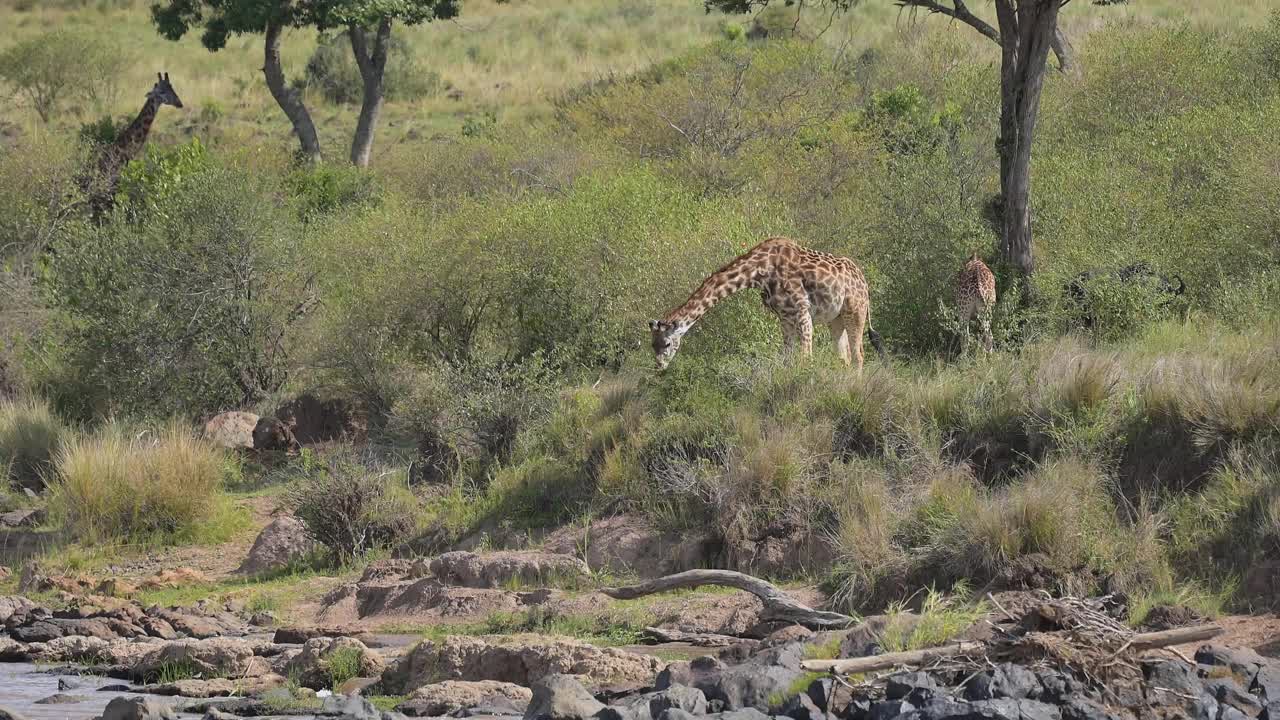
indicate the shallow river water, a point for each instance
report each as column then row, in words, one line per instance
column 22, row 684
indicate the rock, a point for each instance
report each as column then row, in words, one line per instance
column 561, row 697
column 1006, row 709
column 231, row 430
column 520, row 660
column 350, row 707
column 1168, row 617
column 899, row 686
column 674, row 714
column 1080, row 708
column 742, row 714
column 1168, row 680
column 1271, row 711
column 629, row 544
column 43, row 631
column 770, row 674
column 1057, row 687
column 447, row 697
column 312, row 420
column 865, row 639
column 280, row 544
column 1266, row 684
column 692, row 673
column 299, row 635
column 217, row 687
column 61, row 699
column 22, row 518
column 1005, row 680
column 502, row 569
column 7, row 714
column 65, row 684
column 272, row 435
column 1228, row 693
column 138, row 708
column 1243, row 662
column 177, row 577
column 11, row 605
column 211, row 658
column 310, row 667
column 680, row 697
column 890, row 709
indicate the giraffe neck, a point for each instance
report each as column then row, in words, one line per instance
column 133, row 137
column 733, row 277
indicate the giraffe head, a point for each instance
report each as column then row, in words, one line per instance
column 163, row 91
column 666, row 340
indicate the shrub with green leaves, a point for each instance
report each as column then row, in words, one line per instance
column 187, row 307
column 350, row 506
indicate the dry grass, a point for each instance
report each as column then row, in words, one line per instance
column 143, row 487
column 30, row 434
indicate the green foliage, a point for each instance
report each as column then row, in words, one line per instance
column 187, row 307
column 149, row 184
column 350, row 507
column 65, row 65
column 332, row 71
column 30, row 437
column 343, row 665
column 326, row 189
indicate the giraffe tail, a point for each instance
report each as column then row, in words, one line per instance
column 876, row 342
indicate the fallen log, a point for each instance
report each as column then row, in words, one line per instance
column 777, row 604
column 1136, row 643
column 850, row 666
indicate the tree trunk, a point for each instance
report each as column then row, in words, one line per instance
column 1066, row 54
column 372, row 64
column 289, row 100
column 1027, row 30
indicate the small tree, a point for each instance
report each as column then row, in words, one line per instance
column 368, row 23
column 1026, row 31
column 64, row 64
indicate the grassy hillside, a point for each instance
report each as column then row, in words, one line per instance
column 483, row 292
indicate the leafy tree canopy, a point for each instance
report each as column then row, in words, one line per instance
column 221, row 19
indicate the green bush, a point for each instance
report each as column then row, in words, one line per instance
column 349, row 506
column 326, row 189
column 117, row 485
column 332, row 71
column 187, row 307
column 30, row 436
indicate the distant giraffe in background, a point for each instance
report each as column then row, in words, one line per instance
column 127, row 146
column 976, row 297
column 799, row 285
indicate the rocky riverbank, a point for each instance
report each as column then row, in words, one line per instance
column 221, row 661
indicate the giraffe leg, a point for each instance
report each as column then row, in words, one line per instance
column 985, row 321
column 840, row 334
column 806, row 333
column 854, row 319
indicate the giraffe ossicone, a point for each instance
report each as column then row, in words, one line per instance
column 798, row 285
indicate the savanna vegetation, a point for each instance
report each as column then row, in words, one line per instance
column 548, row 177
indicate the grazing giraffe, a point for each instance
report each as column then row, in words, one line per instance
column 127, row 145
column 976, row 296
column 799, row 285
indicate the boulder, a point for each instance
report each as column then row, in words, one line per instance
column 1243, row 662
column 271, row 434
column 504, row 569
column 680, row 697
column 7, row 714
column 174, row 578
column 865, row 638
column 280, row 544
column 1228, row 693
column 450, row 696
column 61, row 699
column 312, row 420
column 211, row 658
column 311, row 667
column 520, row 660
column 22, row 518
column 561, row 697
column 231, row 430
column 349, row 707
column 138, row 708
column 629, row 544
column 217, row 687
column 1005, row 680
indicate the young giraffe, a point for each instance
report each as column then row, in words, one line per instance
column 128, row 144
column 976, row 296
column 799, row 285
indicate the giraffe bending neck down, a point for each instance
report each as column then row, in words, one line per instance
column 129, row 143
column 799, row 285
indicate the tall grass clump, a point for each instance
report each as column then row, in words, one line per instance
column 30, row 434
column 165, row 486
